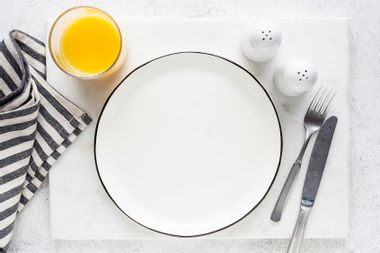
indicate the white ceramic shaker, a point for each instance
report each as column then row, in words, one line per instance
column 295, row 77
column 261, row 42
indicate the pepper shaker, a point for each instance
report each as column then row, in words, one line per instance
column 295, row 77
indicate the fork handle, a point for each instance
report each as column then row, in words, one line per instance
column 279, row 207
column 281, row 201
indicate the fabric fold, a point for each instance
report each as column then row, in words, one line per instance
column 37, row 124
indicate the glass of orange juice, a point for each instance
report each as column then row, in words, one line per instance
column 85, row 42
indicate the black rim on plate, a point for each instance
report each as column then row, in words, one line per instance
column 168, row 55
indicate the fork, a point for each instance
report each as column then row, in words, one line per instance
column 314, row 117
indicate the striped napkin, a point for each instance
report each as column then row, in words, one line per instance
column 37, row 124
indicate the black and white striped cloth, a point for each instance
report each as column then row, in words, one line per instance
column 37, row 124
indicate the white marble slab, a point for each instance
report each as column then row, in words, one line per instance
column 80, row 209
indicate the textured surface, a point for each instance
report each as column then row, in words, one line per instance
column 32, row 232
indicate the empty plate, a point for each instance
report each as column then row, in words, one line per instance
column 188, row 144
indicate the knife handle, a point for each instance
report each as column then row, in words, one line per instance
column 299, row 230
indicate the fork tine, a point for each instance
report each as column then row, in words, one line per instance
column 315, row 99
column 324, row 100
column 321, row 99
column 326, row 106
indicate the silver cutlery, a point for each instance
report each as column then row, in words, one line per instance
column 314, row 117
column 312, row 181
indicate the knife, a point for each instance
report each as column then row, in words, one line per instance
column 313, row 179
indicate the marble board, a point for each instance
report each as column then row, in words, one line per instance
column 80, row 208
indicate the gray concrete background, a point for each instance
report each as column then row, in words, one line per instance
column 32, row 231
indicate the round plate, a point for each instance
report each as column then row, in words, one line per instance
column 188, row 144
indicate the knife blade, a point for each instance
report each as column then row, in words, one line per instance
column 313, row 179
column 318, row 161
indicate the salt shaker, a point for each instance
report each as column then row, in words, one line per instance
column 261, row 42
column 295, row 77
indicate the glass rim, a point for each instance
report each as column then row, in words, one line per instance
column 90, row 76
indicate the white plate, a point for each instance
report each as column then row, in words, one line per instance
column 188, row 144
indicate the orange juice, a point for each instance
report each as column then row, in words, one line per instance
column 91, row 44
